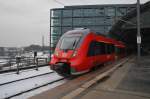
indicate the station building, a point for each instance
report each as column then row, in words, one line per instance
column 114, row 20
column 99, row 18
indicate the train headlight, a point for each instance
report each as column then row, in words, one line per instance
column 52, row 55
column 74, row 54
column 56, row 53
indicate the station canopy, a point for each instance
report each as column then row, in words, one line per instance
column 125, row 29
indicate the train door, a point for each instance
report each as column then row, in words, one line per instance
column 110, row 51
column 91, row 54
column 99, row 53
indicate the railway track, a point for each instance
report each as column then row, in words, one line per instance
column 18, row 87
column 24, row 78
column 17, row 94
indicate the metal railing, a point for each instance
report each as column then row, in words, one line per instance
column 21, row 63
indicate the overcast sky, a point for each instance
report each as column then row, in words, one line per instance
column 23, row 22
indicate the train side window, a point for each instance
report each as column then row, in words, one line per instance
column 117, row 50
column 103, row 48
column 110, row 48
column 96, row 48
column 99, row 48
column 121, row 50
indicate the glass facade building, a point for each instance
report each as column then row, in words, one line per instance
column 99, row 18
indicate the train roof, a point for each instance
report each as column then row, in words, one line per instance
column 78, row 30
column 86, row 31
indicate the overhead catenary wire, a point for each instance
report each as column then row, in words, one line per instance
column 84, row 2
column 61, row 3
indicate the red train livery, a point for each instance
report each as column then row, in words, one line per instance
column 80, row 50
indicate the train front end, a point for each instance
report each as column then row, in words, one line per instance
column 66, row 56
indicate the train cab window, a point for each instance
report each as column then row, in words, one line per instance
column 69, row 43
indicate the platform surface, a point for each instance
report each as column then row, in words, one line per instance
column 130, row 81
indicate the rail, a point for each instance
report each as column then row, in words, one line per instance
column 17, row 94
column 9, row 82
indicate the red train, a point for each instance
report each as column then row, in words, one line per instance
column 80, row 50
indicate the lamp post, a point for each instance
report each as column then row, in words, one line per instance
column 138, row 31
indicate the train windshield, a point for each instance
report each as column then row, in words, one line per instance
column 69, row 43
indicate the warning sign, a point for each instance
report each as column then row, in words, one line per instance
column 138, row 39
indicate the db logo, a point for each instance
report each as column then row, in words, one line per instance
column 64, row 55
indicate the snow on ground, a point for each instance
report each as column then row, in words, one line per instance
column 7, row 77
column 23, row 85
column 39, row 90
column 3, row 60
column 20, row 86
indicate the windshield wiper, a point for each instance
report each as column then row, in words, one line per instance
column 74, row 43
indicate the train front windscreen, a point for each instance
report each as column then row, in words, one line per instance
column 69, row 43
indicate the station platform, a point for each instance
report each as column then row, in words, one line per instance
column 128, row 80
